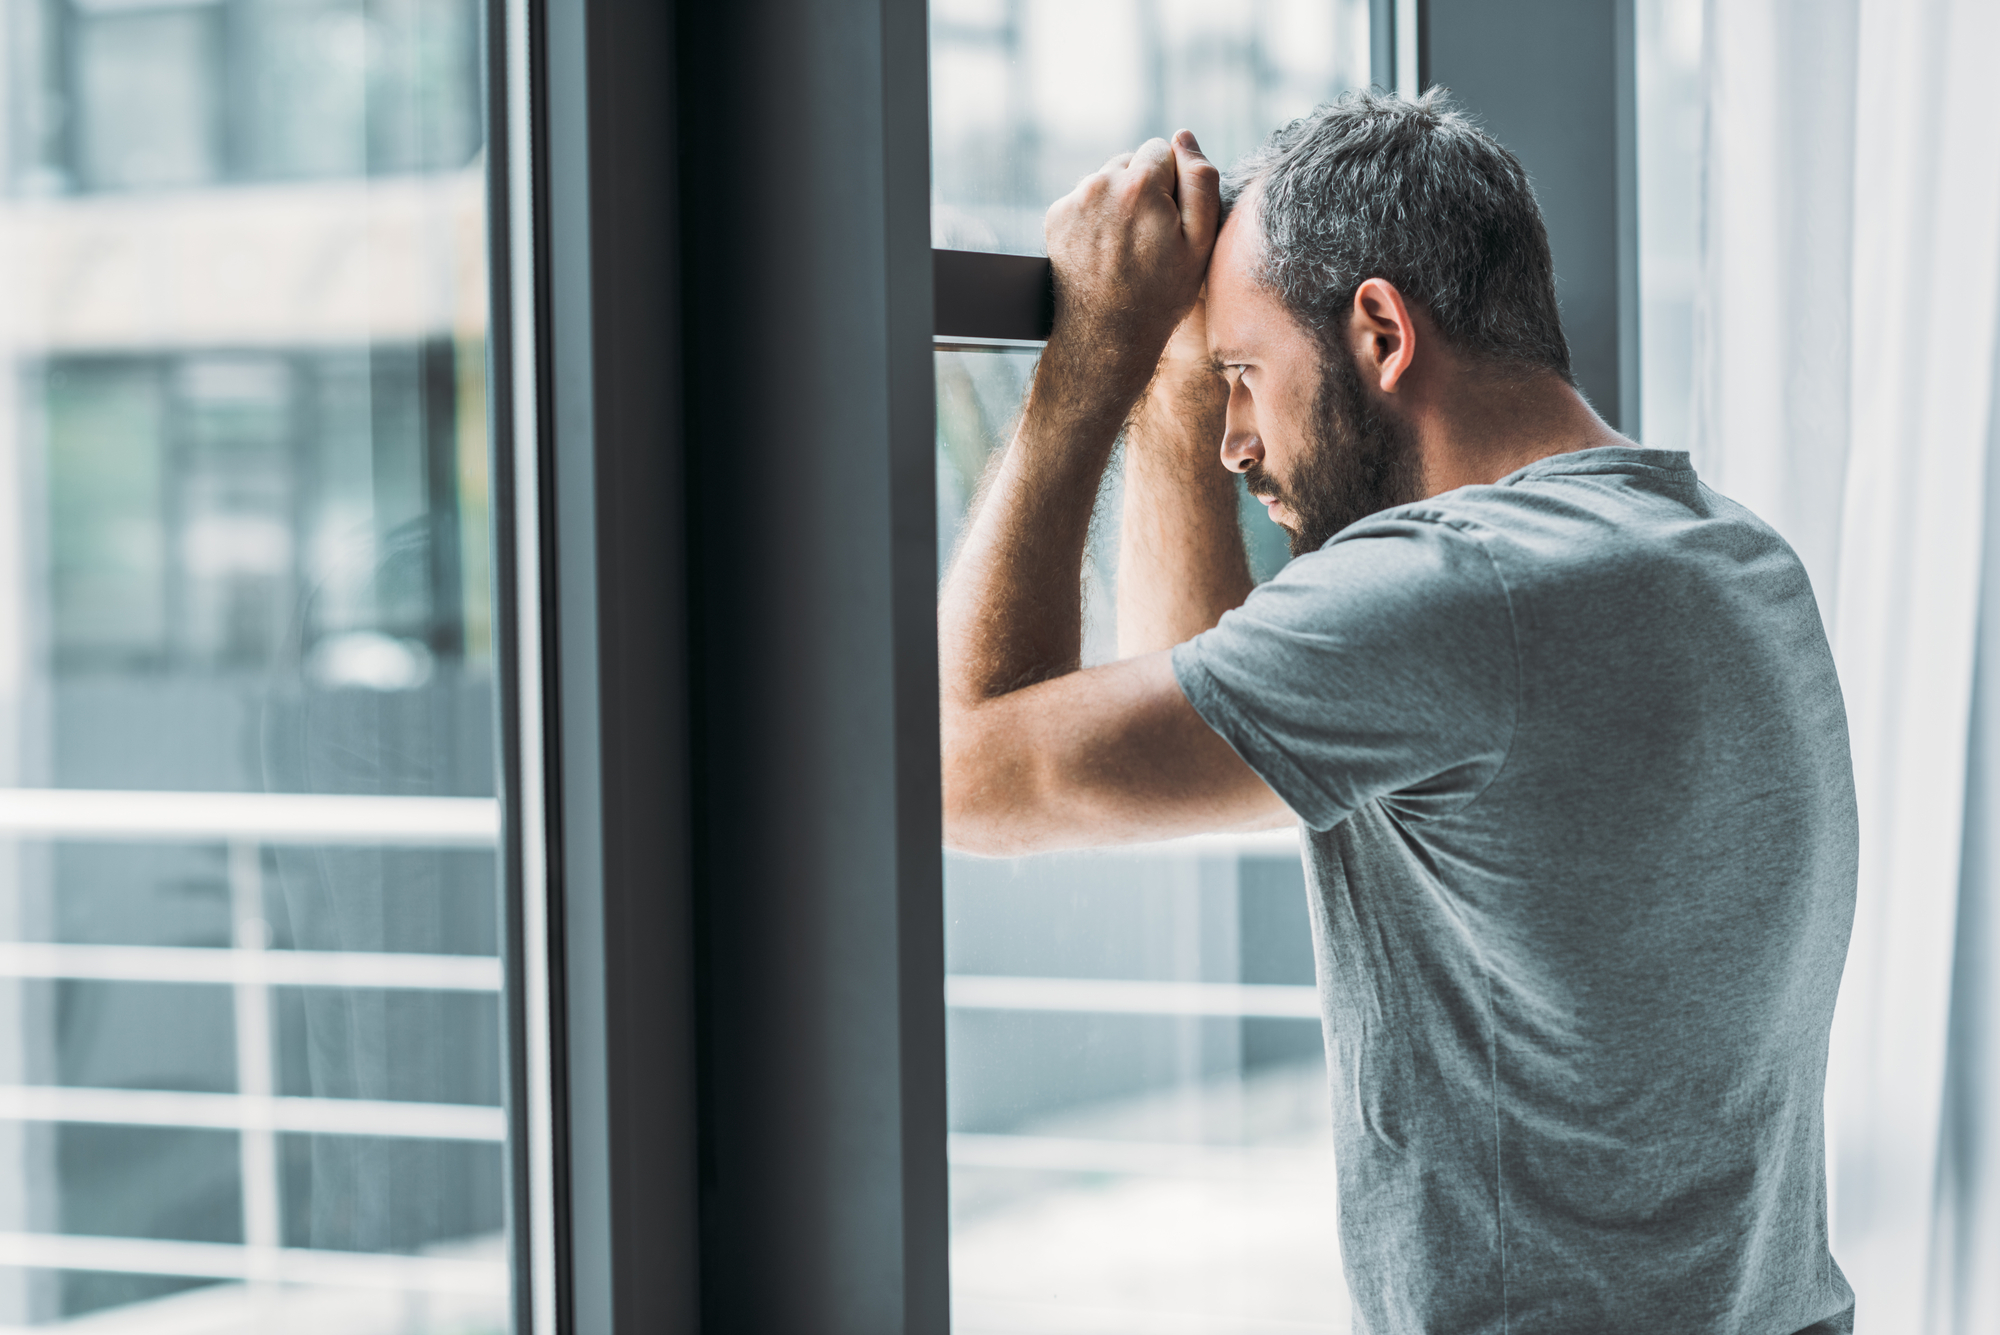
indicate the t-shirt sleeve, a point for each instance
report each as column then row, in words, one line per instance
column 1383, row 665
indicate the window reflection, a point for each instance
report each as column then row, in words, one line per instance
column 250, row 1053
column 192, row 92
column 1029, row 95
column 242, row 489
column 1670, row 190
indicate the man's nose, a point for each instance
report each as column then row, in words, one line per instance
column 1241, row 446
column 1240, row 450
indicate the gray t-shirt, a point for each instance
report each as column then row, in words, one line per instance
column 1581, row 843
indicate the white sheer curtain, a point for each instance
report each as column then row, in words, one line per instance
column 1846, row 309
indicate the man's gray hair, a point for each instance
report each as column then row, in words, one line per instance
column 1379, row 186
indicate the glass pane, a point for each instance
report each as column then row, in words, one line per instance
column 1029, row 95
column 250, row 1023
column 1670, row 131
column 1138, row 1095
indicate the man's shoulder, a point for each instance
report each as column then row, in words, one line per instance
column 1582, row 515
column 1592, row 551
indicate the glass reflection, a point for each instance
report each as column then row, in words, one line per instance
column 250, row 1052
column 1029, row 95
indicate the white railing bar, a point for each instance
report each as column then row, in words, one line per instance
column 336, row 818
column 238, row 1112
column 263, row 818
column 1009, row 1316
column 1264, row 842
column 1253, row 843
column 222, row 1260
column 371, row 820
column 482, row 973
column 261, row 1172
column 1062, row 1154
column 1122, row 996
column 272, row 968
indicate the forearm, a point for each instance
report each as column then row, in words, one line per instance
column 1181, row 563
column 1011, row 612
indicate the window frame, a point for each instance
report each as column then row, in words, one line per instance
column 732, row 942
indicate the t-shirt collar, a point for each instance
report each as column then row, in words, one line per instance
column 1604, row 459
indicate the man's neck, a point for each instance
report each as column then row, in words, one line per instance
column 1484, row 427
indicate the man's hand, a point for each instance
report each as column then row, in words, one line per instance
column 1130, row 247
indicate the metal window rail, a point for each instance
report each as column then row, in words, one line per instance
column 246, row 823
column 989, row 301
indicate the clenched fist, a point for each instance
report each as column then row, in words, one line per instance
column 1130, row 247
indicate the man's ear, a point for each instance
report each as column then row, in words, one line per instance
column 1384, row 335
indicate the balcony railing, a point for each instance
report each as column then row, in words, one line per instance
column 246, row 824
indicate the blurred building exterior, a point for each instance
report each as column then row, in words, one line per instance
column 243, row 502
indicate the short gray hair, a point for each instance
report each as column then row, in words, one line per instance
column 1379, row 186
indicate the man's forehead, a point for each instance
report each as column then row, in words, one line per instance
column 1233, row 282
column 1239, row 248
column 1239, row 231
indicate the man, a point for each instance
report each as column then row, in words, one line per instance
column 1560, row 723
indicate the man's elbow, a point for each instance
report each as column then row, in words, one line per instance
column 969, row 828
column 987, row 799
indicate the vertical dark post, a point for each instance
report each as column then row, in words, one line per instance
column 738, row 677
column 1553, row 80
column 613, row 580
column 1625, row 51
column 437, row 404
column 505, row 553
column 809, row 436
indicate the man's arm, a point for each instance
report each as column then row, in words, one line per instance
column 1181, row 563
column 1038, row 754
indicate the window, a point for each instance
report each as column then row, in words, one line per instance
column 135, row 96
column 1136, row 1083
column 251, row 1059
column 1029, row 95
column 1669, row 141
column 447, row 897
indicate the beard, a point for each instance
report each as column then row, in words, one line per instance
column 1358, row 462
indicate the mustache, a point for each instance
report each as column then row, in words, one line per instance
column 1261, row 483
